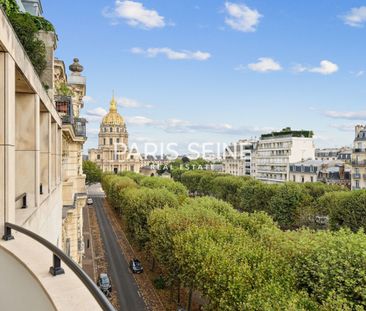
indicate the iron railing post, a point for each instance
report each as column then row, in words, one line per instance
column 56, row 268
column 7, row 234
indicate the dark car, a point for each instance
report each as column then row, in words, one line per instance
column 136, row 266
column 104, row 283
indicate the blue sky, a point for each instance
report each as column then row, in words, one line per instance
column 190, row 70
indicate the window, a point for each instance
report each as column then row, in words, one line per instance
column 131, row 157
column 103, row 141
column 111, row 129
column 111, row 141
column 98, row 156
column 302, row 179
column 132, row 168
column 312, row 179
column 117, row 140
column 293, row 178
column 118, row 129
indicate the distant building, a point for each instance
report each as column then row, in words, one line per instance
column 327, row 154
column 238, row 158
column 333, row 154
column 359, row 158
column 329, row 172
column 113, row 153
column 305, row 171
column 277, row 150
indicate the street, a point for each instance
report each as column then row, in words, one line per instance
column 122, row 279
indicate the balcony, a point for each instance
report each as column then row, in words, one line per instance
column 356, row 176
column 80, row 127
column 64, row 108
column 359, row 163
column 358, row 150
column 27, row 258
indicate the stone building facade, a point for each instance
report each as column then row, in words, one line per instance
column 113, row 153
column 70, row 91
column 359, row 158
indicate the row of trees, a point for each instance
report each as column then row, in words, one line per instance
column 291, row 205
column 239, row 260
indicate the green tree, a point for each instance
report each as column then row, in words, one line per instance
column 92, row 171
column 286, row 204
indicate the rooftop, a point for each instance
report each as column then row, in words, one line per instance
column 288, row 132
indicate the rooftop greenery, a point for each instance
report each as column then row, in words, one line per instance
column 288, row 132
column 26, row 26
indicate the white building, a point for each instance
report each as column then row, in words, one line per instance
column 277, row 150
column 238, row 158
column 359, row 158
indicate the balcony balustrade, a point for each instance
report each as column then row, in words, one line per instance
column 359, row 163
column 80, row 127
column 359, row 150
column 64, row 108
column 356, row 176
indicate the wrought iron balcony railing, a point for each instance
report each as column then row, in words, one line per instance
column 359, row 163
column 56, row 268
column 80, row 127
column 64, row 108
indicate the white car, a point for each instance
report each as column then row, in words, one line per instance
column 89, row 201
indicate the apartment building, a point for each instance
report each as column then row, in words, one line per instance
column 326, row 171
column 333, row 154
column 238, row 158
column 359, row 158
column 31, row 192
column 277, row 150
column 69, row 92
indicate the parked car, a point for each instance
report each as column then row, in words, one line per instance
column 104, row 283
column 136, row 266
column 89, row 201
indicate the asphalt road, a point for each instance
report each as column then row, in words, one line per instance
column 122, row 279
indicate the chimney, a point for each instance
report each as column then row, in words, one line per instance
column 358, row 129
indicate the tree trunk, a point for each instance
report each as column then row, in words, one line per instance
column 178, row 292
column 153, row 264
column 190, row 298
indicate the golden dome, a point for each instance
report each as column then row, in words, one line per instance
column 113, row 117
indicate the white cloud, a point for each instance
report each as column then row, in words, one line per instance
column 171, row 54
column 350, row 115
column 356, row 17
column 344, row 127
column 174, row 125
column 326, row 67
column 97, row 112
column 139, row 120
column 265, row 64
column 241, row 17
column 135, row 14
column 89, row 100
column 131, row 103
column 360, row 73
